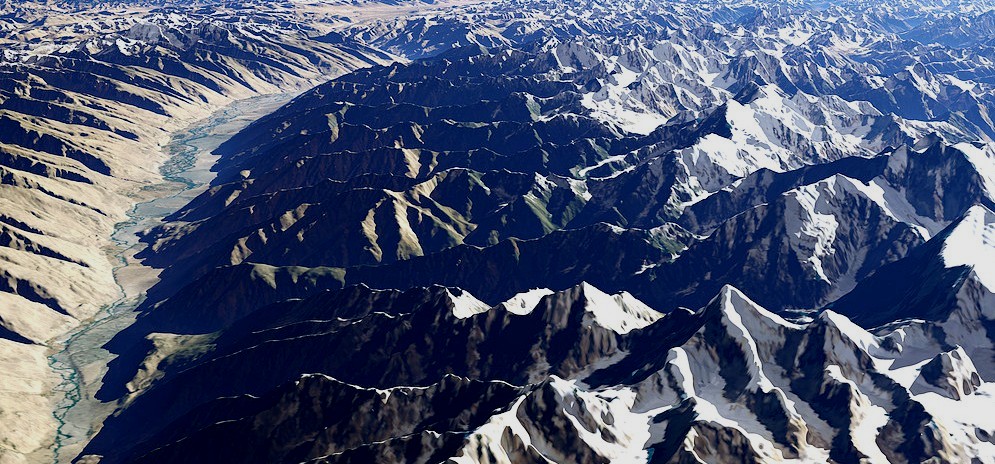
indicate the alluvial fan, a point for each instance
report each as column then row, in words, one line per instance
column 499, row 232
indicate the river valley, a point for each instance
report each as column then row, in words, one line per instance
column 78, row 357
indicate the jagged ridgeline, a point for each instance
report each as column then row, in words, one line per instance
column 487, row 256
column 534, row 231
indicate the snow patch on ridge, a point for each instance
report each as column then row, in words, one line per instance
column 523, row 303
column 984, row 163
column 812, row 232
column 621, row 312
column 972, row 243
column 464, row 304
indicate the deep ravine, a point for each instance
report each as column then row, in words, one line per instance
column 79, row 359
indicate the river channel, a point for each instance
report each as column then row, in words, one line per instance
column 80, row 361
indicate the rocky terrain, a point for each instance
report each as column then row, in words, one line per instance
column 516, row 231
column 90, row 96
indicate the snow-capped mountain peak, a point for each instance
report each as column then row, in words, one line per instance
column 621, row 312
